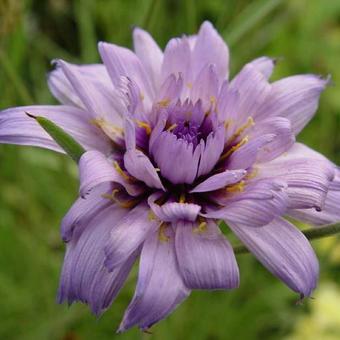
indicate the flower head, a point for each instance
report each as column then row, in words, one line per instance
column 173, row 147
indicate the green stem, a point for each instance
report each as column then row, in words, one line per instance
column 311, row 234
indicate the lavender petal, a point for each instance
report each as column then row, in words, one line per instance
column 136, row 162
column 129, row 235
column 171, row 153
column 62, row 89
column 205, row 87
column 171, row 89
column 84, row 277
column 210, row 48
column 160, row 288
column 140, row 167
column 329, row 214
column 253, row 89
column 282, row 142
column 308, row 179
column 228, row 102
column 149, row 54
column 176, row 60
column 264, row 65
column 259, row 203
column 211, row 151
column 17, row 128
column 97, row 97
column 220, row 180
column 205, row 257
column 95, row 168
column 246, row 155
column 83, row 210
column 295, row 98
column 173, row 211
column 120, row 61
column 285, row 251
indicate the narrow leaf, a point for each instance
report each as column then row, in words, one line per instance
column 249, row 18
column 63, row 139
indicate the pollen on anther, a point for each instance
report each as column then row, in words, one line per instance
column 144, row 125
column 238, row 187
column 249, row 123
column 161, row 233
column 121, row 171
column 182, row 198
column 234, row 148
column 151, row 216
column 164, row 102
column 201, row 228
column 128, row 204
column 172, row 127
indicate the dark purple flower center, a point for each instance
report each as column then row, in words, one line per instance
column 189, row 131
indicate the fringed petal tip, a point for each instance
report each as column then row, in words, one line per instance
column 265, row 65
column 54, row 62
column 328, row 80
column 57, row 62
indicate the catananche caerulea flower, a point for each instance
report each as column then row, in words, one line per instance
column 173, row 147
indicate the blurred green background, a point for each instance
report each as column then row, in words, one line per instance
column 38, row 186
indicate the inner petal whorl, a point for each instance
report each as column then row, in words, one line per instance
column 184, row 138
column 188, row 131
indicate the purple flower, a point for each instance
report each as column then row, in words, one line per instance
column 173, row 147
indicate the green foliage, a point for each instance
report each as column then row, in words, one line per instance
column 38, row 186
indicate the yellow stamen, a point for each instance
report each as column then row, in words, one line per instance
column 109, row 128
column 141, row 96
column 189, row 85
column 228, row 123
column 161, row 233
column 238, row 187
column 144, row 125
column 98, row 122
column 121, row 171
column 112, row 195
column 158, row 169
column 164, row 102
column 123, row 204
column 182, row 198
column 234, row 148
column 252, row 174
column 213, row 100
column 151, row 216
column 101, row 122
column 172, row 127
column 201, row 228
column 250, row 122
